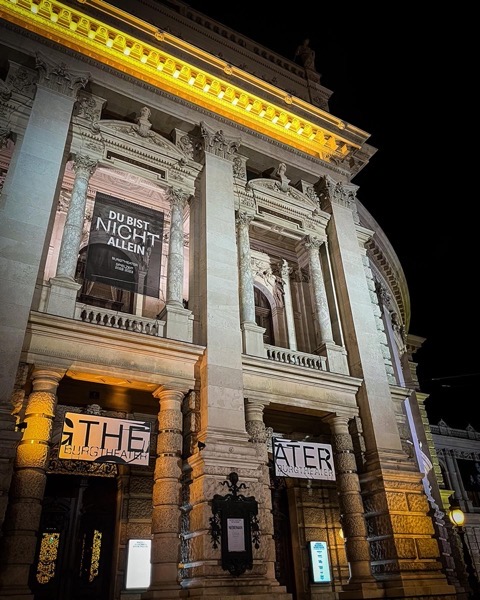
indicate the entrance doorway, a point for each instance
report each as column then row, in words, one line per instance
column 74, row 552
column 284, row 567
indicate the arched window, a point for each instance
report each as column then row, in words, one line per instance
column 263, row 316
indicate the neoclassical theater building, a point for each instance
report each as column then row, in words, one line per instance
column 207, row 379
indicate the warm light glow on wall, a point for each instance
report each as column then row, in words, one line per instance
column 457, row 516
column 149, row 63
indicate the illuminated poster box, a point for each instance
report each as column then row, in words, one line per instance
column 319, row 563
column 138, row 564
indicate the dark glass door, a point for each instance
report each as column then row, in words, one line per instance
column 75, row 545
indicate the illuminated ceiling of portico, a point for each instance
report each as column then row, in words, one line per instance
column 219, row 87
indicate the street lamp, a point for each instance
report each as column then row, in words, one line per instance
column 457, row 517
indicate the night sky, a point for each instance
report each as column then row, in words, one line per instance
column 392, row 76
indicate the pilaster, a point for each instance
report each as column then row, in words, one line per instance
column 404, row 551
column 27, row 212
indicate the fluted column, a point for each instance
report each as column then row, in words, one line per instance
column 287, row 298
column 28, row 484
column 166, row 495
column 245, row 277
column 175, row 266
column 322, row 312
column 84, row 167
column 350, row 500
column 179, row 320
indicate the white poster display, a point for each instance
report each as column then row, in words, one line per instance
column 319, row 562
column 138, row 564
column 236, row 535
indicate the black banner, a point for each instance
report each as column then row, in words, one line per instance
column 125, row 246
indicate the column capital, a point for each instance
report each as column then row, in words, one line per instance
column 338, row 423
column 311, row 242
column 173, row 391
column 58, row 77
column 44, row 377
column 216, row 142
column 243, row 217
column 332, row 192
column 84, row 165
column 178, row 197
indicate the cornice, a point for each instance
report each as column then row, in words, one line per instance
column 217, row 86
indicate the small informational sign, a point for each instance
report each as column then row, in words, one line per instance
column 138, row 564
column 104, row 439
column 320, row 565
column 303, row 460
column 236, row 535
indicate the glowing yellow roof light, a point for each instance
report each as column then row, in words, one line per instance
column 149, row 63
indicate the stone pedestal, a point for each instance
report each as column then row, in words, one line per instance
column 252, row 336
column 62, row 297
column 178, row 323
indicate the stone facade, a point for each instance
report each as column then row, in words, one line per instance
column 183, row 247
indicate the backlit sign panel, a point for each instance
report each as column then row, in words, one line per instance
column 306, row 460
column 319, row 563
column 104, row 439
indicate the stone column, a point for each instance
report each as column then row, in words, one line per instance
column 245, row 276
column 455, row 478
column 252, row 334
column 322, row 313
column 28, row 485
column 26, row 215
column 289, row 317
column 63, row 287
column 175, row 267
column 179, row 320
column 166, row 496
column 254, row 422
column 351, row 505
column 259, row 435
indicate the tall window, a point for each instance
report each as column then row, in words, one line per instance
column 263, row 316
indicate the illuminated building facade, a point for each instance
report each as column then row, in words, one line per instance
column 205, row 359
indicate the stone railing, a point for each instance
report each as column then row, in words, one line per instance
column 155, row 327
column 293, row 357
column 443, row 429
column 119, row 320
